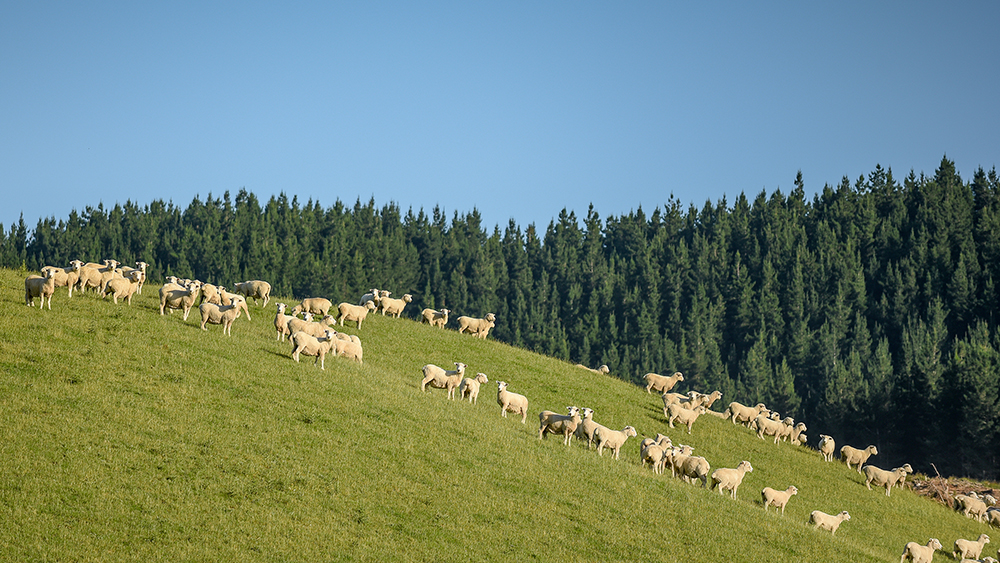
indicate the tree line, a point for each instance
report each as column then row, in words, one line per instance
column 867, row 312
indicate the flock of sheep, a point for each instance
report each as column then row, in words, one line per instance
column 318, row 338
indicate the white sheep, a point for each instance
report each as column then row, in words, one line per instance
column 993, row 518
column 65, row 277
column 854, row 455
column 824, row 521
column 826, row 447
column 971, row 507
column 613, row 439
column 173, row 296
column 794, row 432
column 670, row 399
column 88, row 276
column 37, row 286
column 372, row 295
column 779, row 499
column 970, row 549
column 255, row 289
column 883, row 478
column 768, row 427
column 662, row 383
column 308, row 326
column 223, row 314
column 435, row 318
column 394, row 306
column 441, row 378
column 314, row 305
column 211, row 293
column 350, row 348
column 585, row 430
column 603, row 370
column 357, row 313
column 744, row 414
column 124, row 288
column 554, row 423
column 470, row 387
column 511, row 402
column 281, row 323
column 676, row 412
column 654, row 452
column 695, row 467
column 141, row 268
column 728, row 479
column 696, row 399
column 676, row 457
column 920, row 553
column 477, row 327
column 303, row 343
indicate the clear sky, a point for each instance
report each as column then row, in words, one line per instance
column 517, row 109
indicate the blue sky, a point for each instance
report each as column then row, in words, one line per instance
column 517, row 109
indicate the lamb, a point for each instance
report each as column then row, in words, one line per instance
column 585, row 430
column 825, row 521
column 173, row 296
column 356, row 313
column 314, row 305
column 303, row 343
column 554, row 423
column 613, row 439
column 512, row 402
column 124, row 288
column 65, row 277
column 744, row 414
column 695, row 467
column 971, row 507
column 255, row 289
column 662, row 383
column 223, row 314
column 766, row 426
column 920, row 553
column 441, row 378
column 683, row 415
column 883, row 478
column 435, row 318
column 778, row 498
column 394, row 306
column 730, row 479
column 826, row 447
column 477, row 327
column 281, row 323
column 970, row 549
column 470, row 386
column 603, row 370
column 854, row 455
column 37, row 286
column 350, row 348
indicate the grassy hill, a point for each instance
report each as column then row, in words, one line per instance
column 130, row 436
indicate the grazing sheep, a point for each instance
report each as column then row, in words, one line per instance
column 778, row 498
column 883, row 478
column 585, row 430
column 512, row 402
column 554, row 423
column 441, row 378
column 37, row 286
column 683, row 415
column 743, row 414
column 65, row 277
column 920, row 553
column 223, row 314
column 970, row 549
column 435, row 318
column 729, row 479
column 314, row 305
column 394, row 306
column 477, row 327
column 971, row 507
column 662, row 383
column 695, row 467
column 254, row 289
column 470, row 386
column 357, row 313
column 281, row 323
column 826, row 447
column 854, row 455
column 825, row 521
column 173, row 296
column 351, row 349
column 768, row 427
column 613, row 439
column 603, row 370
column 124, row 287
column 303, row 343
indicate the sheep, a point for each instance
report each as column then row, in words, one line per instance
column 255, row 289
column 822, row 520
column 394, row 306
column 348, row 312
column 351, row 349
column 585, row 430
column 730, row 479
column 372, row 295
column 470, row 386
column 477, row 327
column 970, row 549
column 223, row 314
column 281, row 323
column 920, row 553
column 802, row 440
column 512, row 402
column 743, row 414
column 696, row 399
column 779, row 499
column 37, row 286
column 314, row 305
column 670, row 399
column 662, row 383
column 795, row 432
column 683, row 415
column 554, row 423
column 107, row 275
column 695, row 467
column 613, row 439
column 826, row 447
column 676, row 457
column 65, row 277
column 441, row 378
column 883, row 478
column 307, row 325
column 140, row 267
column 173, row 296
column 435, row 318
column 854, row 455
column 211, row 294
column 303, row 343
column 88, row 276
column 603, row 370
column 992, row 517
column 766, row 426
column 971, row 507
column 654, row 452
column 124, row 288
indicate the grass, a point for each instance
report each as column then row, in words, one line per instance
column 130, row 436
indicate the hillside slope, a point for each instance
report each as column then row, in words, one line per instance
column 131, row 436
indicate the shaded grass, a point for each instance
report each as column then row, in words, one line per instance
column 126, row 435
